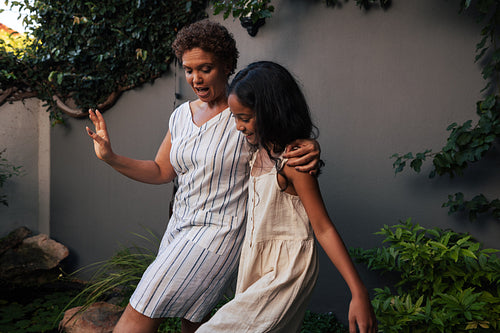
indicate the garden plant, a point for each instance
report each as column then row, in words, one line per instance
column 443, row 281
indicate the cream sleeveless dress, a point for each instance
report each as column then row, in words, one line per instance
column 278, row 265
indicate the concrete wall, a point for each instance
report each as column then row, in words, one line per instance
column 378, row 82
column 24, row 134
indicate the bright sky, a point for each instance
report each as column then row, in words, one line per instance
column 9, row 18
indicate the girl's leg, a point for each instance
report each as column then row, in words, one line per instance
column 190, row 327
column 132, row 321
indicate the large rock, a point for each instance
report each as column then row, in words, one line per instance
column 14, row 239
column 100, row 317
column 34, row 254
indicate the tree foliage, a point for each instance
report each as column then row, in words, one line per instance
column 88, row 52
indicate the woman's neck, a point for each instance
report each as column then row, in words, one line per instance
column 203, row 111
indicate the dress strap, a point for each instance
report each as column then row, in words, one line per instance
column 282, row 161
column 253, row 158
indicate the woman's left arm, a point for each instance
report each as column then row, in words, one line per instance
column 304, row 155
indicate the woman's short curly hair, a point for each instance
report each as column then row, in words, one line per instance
column 210, row 37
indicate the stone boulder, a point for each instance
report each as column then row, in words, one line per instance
column 35, row 255
column 100, row 317
column 13, row 239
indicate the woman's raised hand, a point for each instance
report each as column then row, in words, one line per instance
column 102, row 144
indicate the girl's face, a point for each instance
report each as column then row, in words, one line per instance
column 245, row 119
column 206, row 76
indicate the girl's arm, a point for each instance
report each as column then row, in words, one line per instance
column 158, row 171
column 307, row 188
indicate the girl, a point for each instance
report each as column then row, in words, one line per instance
column 279, row 266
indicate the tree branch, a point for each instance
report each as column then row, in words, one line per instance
column 72, row 112
column 6, row 93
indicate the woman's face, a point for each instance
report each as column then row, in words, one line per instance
column 245, row 119
column 206, row 76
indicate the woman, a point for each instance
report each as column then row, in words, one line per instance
column 199, row 252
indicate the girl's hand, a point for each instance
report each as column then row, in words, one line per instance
column 102, row 144
column 361, row 314
column 304, row 155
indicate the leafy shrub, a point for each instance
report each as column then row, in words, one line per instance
column 38, row 315
column 322, row 323
column 447, row 282
column 118, row 275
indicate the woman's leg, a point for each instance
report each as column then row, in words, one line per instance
column 132, row 321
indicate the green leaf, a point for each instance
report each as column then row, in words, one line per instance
column 60, row 77
column 488, row 103
column 416, row 164
column 468, row 253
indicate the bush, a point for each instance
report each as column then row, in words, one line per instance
column 447, row 282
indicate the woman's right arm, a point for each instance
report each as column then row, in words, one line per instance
column 157, row 171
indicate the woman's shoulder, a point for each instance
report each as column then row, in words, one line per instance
column 181, row 109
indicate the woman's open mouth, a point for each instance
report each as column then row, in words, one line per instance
column 201, row 92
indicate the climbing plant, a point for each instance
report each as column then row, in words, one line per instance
column 84, row 54
column 259, row 9
column 471, row 141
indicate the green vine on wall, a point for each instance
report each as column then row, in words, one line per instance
column 469, row 143
column 261, row 9
column 84, row 54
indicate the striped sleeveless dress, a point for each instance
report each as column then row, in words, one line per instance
column 199, row 252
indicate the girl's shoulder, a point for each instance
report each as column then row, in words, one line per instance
column 293, row 175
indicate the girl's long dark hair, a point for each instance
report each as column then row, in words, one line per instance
column 282, row 113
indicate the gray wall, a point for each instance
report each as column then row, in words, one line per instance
column 24, row 134
column 378, row 82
